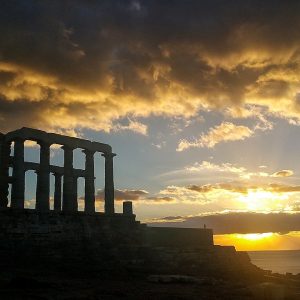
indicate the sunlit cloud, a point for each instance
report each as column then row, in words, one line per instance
column 209, row 166
column 238, row 196
column 55, row 73
column 207, row 170
column 222, row 133
column 134, row 126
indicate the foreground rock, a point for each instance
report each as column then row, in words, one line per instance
column 27, row 285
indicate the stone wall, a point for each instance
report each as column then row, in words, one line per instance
column 67, row 239
column 179, row 237
column 79, row 242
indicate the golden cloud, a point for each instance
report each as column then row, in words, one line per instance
column 209, row 166
column 224, row 132
column 237, row 196
column 57, row 72
column 134, row 126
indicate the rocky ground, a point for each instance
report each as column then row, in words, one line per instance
column 39, row 285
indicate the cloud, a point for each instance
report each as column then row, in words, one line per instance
column 135, row 195
column 242, row 172
column 75, row 66
column 222, row 186
column 236, row 222
column 236, row 195
column 245, row 188
column 256, row 112
column 209, row 166
column 283, row 173
column 121, row 195
column 224, row 132
column 134, row 126
column 161, row 199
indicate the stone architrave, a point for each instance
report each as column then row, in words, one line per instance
column 18, row 175
column 109, row 184
column 89, row 206
column 43, row 178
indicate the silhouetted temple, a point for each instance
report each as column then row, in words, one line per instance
column 66, row 237
column 43, row 169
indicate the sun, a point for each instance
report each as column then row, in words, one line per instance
column 254, row 236
column 262, row 200
column 249, row 241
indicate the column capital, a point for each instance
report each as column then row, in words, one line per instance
column 76, row 176
column 67, row 147
column 88, row 151
column 19, row 139
column 57, row 174
column 109, row 155
column 44, row 143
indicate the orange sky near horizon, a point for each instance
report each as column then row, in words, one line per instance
column 260, row 241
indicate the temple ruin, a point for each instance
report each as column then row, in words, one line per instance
column 64, row 237
column 65, row 200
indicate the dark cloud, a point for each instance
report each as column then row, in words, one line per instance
column 121, row 195
column 161, row 199
column 283, row 173
column 223, row 186
column 73, row 63
column 172, row 218
column 246, row 222
column 134, row 195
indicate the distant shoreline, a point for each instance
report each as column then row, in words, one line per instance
column 270, row 250
column 278, row 261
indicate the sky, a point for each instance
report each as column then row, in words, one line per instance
column 200, row 101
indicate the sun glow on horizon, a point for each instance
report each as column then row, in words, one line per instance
column 260, row 241
column 254, row 236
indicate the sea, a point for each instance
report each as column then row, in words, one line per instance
column 284, row 261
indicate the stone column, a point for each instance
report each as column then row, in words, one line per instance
column 127, row 208
column 89, row 201
column 75, row 194
column 18, row 175
column 57, row 191
column 43, row 178
column 109, row 184
column 68, row 195
column 4, row 167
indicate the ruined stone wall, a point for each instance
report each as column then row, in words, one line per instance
column 79, row 242
column 67, row 239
